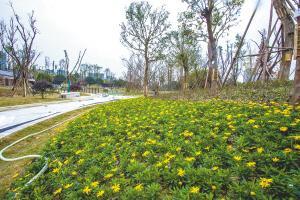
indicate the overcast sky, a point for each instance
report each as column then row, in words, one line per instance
column 95, row 24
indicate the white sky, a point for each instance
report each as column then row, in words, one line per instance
column 94, row 24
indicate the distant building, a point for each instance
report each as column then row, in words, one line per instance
column 88, row 70
column 6, row 78
column 6, row 72
column 6, row 75
column 61, row 72
column 3, row 61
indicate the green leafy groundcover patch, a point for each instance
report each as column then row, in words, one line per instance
column 156, row 149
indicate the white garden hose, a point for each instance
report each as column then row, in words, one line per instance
column 45, row 167
column 32, row 156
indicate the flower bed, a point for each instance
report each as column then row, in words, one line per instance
column 155, row 149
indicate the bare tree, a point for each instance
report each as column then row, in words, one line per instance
column 17, row 41
column 144, row 32
column 76, row 67
column 134, row 74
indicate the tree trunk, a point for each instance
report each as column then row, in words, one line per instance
column 185, row 84
column 288, row 37
column 213, row 57
column 296, row 91
column 295, row 98
column 169, row 77
column 146, row 75
column 24, row 85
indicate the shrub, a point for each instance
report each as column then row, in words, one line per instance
column 58, row 79
column 42, row 87
column 42, row 76
column 75, row 88
column 90, row 80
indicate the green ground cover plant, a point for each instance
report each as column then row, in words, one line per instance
column 278, row 91
column 158, row 149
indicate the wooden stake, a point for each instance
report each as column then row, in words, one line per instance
column 240, row 45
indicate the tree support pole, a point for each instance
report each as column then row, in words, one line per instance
column 240, row 45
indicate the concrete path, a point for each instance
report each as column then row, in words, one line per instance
column 17, row 119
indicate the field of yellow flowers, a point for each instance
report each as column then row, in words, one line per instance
column 158, row 149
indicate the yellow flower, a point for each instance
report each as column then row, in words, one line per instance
column 108, row 176
column 58, row 191
column 229, row 148
column 78, row 152
column 252, row 193
column 80, row 161
column 87, row 190
column 287, row 150
column 295, row 137
column 229, row 117
column 275, row 159
column 115, row 169
column 115, row 188
column 180, row 172
column 297, row 146
column 213, row 187
column 283, row 129
column 256, row 126
column 198, row 153
column 68, row 186
column 16, row 175
column 227, row 134
column 146, row 153
column 194, row 190
column 74, row 173
column 66, row 162
column 55, row 170
column 215, row 168
column 231, row 127
column 189, row 159
column 95, row 184
column 187, row 134
column 178, row 149
column 139, row 187
column 250, row 121
column 100, row 193
column 260, row 150
column 251, row 164
column 159, row 164
column 265, row 182
column 237, row 158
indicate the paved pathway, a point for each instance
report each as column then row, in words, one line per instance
column 15, row 120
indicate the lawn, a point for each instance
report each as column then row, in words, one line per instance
column 18, row 100
column 7, row 100
column 158, row 149
column 10, row 170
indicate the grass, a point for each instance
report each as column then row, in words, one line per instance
column 17, row 100
column 273, row 91
column 10, row 170
column 7, row 100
